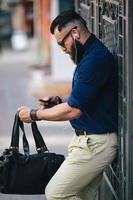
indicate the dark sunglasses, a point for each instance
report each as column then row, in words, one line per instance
column 62, row 42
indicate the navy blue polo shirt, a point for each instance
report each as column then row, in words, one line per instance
column 95, row 89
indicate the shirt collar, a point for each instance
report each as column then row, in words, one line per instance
column 89, row 41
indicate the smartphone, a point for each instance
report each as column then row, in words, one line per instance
column 45, row 101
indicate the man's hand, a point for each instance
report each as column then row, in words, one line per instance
column 49, row 102
column 24, row 114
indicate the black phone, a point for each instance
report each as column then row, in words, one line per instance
column 45, row 101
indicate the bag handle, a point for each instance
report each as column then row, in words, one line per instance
column 39, row 142
column 15, row 135
column 14, row 146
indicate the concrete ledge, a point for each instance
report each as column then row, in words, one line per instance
column 51, row 87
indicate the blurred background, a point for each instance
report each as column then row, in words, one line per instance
column 24, row 31
column 32, row 66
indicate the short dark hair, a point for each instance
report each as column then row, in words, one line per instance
column 64, row 18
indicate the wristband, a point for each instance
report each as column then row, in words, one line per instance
column 33, row 114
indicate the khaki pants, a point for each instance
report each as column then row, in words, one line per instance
column 80, row 174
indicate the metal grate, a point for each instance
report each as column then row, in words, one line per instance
column 112, row 22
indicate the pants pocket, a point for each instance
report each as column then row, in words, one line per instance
column 96, row 143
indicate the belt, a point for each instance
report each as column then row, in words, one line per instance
column 81, row 132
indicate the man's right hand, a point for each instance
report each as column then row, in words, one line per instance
column 49, row 102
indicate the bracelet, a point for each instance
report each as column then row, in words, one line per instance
column 33, row 114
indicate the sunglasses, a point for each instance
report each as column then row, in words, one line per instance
column 62, row 42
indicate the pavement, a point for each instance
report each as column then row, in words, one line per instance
column 22, row 84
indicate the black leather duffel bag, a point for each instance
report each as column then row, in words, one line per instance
column 25, row 173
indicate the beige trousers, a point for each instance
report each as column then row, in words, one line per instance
column 80, row 174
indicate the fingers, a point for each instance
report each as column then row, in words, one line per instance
column 47, row 98
column 44, row 102
column 21, row 108
column 49, row 102
column 24, row 114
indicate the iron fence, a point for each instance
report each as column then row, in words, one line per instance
column 112, row 22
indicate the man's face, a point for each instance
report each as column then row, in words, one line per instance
column 69, row 45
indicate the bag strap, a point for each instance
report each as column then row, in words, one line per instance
column 40, row 144
column 15, row 135
column 14, row 146
column 25, row 141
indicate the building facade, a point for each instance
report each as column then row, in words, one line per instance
column 112, row 22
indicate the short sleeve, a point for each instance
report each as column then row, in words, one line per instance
column 91, row 77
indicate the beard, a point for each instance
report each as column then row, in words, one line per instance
column 77, row 51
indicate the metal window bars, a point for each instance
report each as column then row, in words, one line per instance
column 112, row 22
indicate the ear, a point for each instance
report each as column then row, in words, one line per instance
column 76, row 34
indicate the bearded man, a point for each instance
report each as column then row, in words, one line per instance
column 91, row 109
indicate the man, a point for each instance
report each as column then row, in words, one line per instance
column 91, row 109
